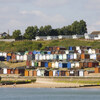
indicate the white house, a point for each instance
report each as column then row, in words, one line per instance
column 3, row 34
column 64, row 36
column 77, row 36
column 40, row 38
column 87, row 36
column 95, row 35
column 60, row 37
column 52, row 37
column 74, row 36
column 49, row 38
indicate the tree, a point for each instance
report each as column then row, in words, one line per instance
column 36, row 30
column 69, row 30
column 64, row 30
column 31, row 32
column 47, row 30
column 79, row 27
column 16, row 34
column 41, row 31
column 83, row 27
column 60, row 31
column 53, row 32
column 75, row 27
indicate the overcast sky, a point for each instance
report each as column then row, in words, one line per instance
column 19, row 14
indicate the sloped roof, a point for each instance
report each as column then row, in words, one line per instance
column 3, row 33
column 95, row 32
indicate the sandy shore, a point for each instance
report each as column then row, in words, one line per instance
column 48, row 85
column 43, row 85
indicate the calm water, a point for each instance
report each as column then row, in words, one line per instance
column 49, row 94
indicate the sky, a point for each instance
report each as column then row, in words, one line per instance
column 19, row 14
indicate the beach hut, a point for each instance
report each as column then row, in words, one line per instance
column 4, row 70
column 40, row 72
column 16, row 71
column 30, row 72
column 26, row 73
column 81, row 73
column 50, row 73
column 46, row 73
column 97, row 69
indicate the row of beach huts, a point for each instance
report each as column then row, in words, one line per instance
column 39, row 72
column 54, row 61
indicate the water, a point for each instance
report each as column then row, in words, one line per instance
column 49, row 94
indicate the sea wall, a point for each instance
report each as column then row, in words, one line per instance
column 7, row 40
column 19, row 78
column 66, row 79
column 50, row 79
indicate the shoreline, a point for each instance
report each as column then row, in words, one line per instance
column 50, row 85
column 42, row 85
column 50, row 82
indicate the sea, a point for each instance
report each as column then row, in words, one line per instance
column 49, row 94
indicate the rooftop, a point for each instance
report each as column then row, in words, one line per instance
column 95, row 32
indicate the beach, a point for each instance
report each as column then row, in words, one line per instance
column 43, row 85
column 52, row 82
column 48, row 85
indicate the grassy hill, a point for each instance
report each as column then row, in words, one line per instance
column 40, row 45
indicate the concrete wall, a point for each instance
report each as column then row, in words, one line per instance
column 52, row 79
column 19, row 78
column 7, row 40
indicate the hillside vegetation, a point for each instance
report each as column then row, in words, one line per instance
column 40, row 45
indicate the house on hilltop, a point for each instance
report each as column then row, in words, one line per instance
column 40, row 38
column 77, row 36
column 58, row 37
column 52, row 37
column 70, row 36
column 3, row 34
column 95, row 35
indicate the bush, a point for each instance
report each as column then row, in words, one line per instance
column 17, row 82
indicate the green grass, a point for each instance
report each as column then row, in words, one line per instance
column 40, row 45
column 17, row 82
column 90, row 82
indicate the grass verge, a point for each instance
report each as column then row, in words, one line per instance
column 17, row 82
